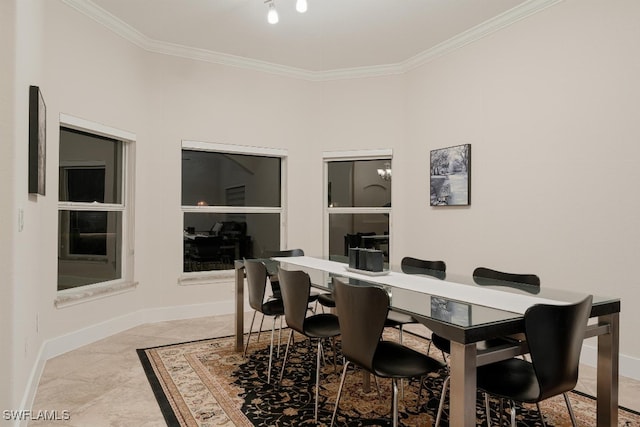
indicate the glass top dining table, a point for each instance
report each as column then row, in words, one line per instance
column 465, row 310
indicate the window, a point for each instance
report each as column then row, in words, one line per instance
column 358, row 201
column 93, row 207
column 231, row 203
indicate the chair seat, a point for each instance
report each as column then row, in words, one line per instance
column 395, row 318
column 275, row 287
column 322, row 326
column 521, row 384
column 313, row 296
column 327, row 300
column 393, row 360
column 273, row 307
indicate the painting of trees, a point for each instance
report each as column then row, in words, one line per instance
column 450, row 176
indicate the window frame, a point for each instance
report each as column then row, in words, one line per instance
column 215, row 276
column 340, row 156
column 125, row 282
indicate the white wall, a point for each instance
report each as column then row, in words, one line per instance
column 8, row 211
column 545, row 104
column 24, row 275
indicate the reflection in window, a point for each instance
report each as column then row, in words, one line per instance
column 231, row 207
column 358, row 205
column 369, row 231
column 357, row 183
column 84, row 184
column 87, row 233
column 221, row 179
column 212, row 241
column 90, row 247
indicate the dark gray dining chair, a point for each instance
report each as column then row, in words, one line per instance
column 362, row 311
column 256, row 285
column 554, row 335
column 489, row 277
column 295, row 287
column 485, row 276
column 411, row 265
column 275, row 285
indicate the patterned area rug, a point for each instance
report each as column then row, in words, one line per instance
column 206, row 383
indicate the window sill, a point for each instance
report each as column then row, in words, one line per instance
column 206, row 278
column 91, row 293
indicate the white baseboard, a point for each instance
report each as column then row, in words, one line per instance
column 629, row 366
column 59, row 345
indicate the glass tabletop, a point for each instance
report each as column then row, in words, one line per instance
column 454, row 318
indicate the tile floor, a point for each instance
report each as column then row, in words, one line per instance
column 103, row 383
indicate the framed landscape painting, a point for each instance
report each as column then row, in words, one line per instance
column 451, row 176
column 37, row 141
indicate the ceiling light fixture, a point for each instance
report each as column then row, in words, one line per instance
column 272, row 15
column 301, row 6
column 385, row 173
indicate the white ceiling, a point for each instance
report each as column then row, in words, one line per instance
column 333, row 35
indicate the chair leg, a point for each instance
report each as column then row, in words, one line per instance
column 375, row 379
column 344, row 374
column 335, row 359
column 420, row 393
column 260, row 329
column 540, row 414
column 315, row 411
column 394, row 402
column 445, row 386
column 279, row 337
column 570, row 409
column 273, row 329
column 324, row 359
column 487, row 409
column 513, row 414
column 286, row 353
column 401, row 381
column 249, row 337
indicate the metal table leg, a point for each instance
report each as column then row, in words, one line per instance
column 607, row 376
column 463, row 385
column 239, row 293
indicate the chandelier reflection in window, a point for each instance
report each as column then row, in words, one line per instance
column 385, row 173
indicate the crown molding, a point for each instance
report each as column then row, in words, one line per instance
column 478, row 32
column 124, row 30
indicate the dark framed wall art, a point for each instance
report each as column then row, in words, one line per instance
column 37, row 141
column 451, row 176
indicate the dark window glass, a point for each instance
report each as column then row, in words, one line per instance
column 219, row 179
column 358, row 184
column 358, row 231
column 212, row 241
column 89, row 247
column 88, row 233
column 90, row 168
column 85, row 184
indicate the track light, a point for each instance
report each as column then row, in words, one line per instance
column 301, row 6
column 272, row 15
